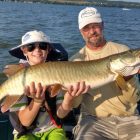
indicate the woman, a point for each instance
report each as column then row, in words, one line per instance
column 32, row 116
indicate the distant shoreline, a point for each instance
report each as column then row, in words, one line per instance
column 101, row 3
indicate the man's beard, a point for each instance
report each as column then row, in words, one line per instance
column 95, row 43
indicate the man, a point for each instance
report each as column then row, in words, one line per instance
column 107, row 112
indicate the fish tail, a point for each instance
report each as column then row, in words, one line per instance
column 2, row 100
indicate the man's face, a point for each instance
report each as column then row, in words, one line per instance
column 93, row 34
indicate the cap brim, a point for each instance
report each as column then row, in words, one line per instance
column 17, row 52
column 90, row 20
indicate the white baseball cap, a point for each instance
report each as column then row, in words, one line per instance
column 88, row 15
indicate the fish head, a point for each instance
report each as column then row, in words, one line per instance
column 126, row 63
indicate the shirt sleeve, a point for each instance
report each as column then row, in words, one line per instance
column 59, row 98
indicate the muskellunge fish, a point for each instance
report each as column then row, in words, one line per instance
column 95, row 73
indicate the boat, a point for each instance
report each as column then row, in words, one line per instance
column 126, row 9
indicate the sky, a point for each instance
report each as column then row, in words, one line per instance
column 127, row 0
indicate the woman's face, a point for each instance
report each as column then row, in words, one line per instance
column 36, row 52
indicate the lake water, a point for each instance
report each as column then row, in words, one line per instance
column 60, row 23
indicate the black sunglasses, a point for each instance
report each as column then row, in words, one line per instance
column 42, row 46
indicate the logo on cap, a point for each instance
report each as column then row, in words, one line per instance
column 88, row 14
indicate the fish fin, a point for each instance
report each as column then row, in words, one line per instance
column 10, row 70
column 8, row 102
column 54, row 89
column 121, row 82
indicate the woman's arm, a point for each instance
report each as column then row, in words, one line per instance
column 73, row 92
column 28, row 115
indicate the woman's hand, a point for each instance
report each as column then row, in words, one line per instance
column 73, row 92
column 37, row 92
column 76, row 90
